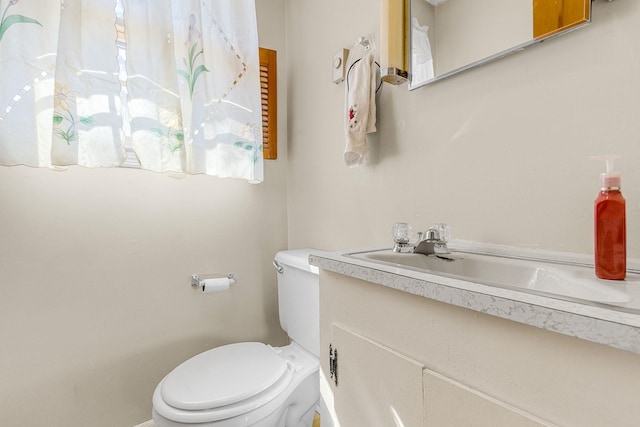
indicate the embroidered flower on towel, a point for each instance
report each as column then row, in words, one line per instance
column 353, row 116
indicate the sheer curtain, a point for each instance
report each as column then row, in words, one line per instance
column 177, row 81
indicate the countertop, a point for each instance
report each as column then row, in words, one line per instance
column 597, row 323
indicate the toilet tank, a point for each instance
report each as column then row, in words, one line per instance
column 298, row 299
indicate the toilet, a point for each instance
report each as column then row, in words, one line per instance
column 251, row 383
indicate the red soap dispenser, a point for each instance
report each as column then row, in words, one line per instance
column 609, row 215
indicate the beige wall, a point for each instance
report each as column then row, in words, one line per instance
column 95, row 303
column 95, row 266
column 499, row 152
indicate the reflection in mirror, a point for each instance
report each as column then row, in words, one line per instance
column 449, row 36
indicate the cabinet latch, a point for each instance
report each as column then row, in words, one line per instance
column 333, row 364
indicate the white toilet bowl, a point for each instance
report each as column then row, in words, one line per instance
column 237, row 385
column 250, row 383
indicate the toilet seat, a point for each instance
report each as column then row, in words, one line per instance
column 222, row 383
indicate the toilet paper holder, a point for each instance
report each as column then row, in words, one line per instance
column 196, row 279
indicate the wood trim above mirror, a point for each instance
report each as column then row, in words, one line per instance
column 551, row 17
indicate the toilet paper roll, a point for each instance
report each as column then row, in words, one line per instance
column 216, row 285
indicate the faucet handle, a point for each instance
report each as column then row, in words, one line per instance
column 442, row 232
column 401, row 232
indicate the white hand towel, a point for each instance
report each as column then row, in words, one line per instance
column 360, row 103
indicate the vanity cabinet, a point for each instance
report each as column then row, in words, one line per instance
column 406, row 360
column 376, row 385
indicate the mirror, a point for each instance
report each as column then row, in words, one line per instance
column 449, row 36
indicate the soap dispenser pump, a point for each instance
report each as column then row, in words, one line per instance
column 610, row 235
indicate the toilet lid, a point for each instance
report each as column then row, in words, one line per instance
column 223, row 376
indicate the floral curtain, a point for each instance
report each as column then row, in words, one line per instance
column 175, row 80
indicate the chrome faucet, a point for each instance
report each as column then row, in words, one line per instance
column 431, row 242
column 434, row 242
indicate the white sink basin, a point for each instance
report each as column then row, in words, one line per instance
column 565, row 281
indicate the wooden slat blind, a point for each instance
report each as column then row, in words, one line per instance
column 269, row 90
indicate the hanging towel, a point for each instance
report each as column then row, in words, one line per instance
column 360, row 101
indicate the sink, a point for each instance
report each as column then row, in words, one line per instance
column 565, row 281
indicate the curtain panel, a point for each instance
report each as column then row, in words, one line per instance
column 177, row 81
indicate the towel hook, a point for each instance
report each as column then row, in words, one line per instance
column 365, row 42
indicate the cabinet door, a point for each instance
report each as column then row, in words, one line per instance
column 377, row 386
column 452, row 404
